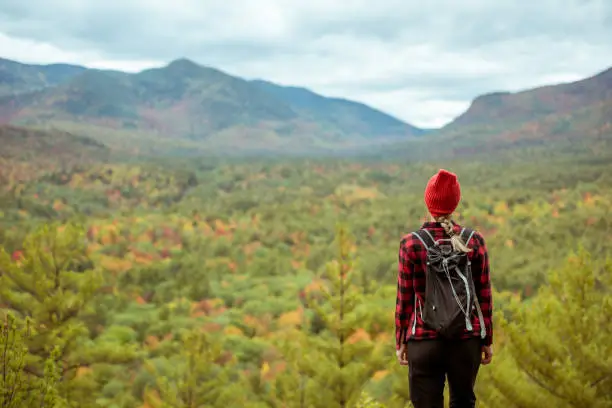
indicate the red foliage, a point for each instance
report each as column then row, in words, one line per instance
column 17, row 256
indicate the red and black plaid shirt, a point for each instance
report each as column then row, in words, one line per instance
column 411, row 283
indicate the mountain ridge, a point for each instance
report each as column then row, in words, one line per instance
column 186, row 100
column 533, row 103
column 197, row 107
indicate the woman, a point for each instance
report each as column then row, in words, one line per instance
column 432, row 358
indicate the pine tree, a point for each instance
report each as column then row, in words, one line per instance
column 17, row 387
column 342, row 357
column 52, row 286
column 559, row 344
column 195, row 377
column 293, row 387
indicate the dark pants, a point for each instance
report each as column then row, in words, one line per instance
column 432, row 361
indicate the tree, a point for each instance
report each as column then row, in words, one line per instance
column 559, row 344
column 17, row 387
column 293, row 387
column 51, row 286
column 195, row 377
column 344, row 358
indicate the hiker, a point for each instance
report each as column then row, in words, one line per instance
column 443, row 314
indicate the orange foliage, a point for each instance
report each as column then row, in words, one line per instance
column 152, row 342
column 291, row 319
column 359, row 335
column 383, row 337
column 314, row 286
column 82, row 371
column 379, row 375
column 212, row 327
column 115, row 265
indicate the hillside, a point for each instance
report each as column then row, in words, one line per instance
column 344, row 113
column 503, row 108
column 185, row 101
column 27, row 153
column 573, row 117
column 16, row 77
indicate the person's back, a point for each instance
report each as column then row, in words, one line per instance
column 443, row 311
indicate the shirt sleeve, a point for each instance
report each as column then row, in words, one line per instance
column 404, row 303
column 482, row 281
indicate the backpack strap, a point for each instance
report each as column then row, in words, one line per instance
column 425, row 238
column 466, row 235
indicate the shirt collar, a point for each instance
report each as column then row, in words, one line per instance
column 434, row 224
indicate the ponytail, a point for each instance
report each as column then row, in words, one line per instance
column 456, row 241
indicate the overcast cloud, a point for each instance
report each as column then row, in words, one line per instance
column 421, row 63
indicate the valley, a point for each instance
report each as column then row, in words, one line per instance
column 170, row 273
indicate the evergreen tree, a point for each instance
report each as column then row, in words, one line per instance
column 19, row 388
column 559, row 344
column 343, row 357
column 51, row 285
column 195, row 377
column 293, row 387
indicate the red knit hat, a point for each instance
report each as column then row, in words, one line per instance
column 442, row 193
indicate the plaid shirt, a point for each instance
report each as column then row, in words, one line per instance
column 411, row 283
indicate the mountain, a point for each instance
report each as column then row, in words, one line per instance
column 506, row 108
column 27, row 154
column 16, row 77
column 20, row 143
column 562, row 118
column 187, row 102
column 347, row 114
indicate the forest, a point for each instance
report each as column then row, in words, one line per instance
column 208, row 282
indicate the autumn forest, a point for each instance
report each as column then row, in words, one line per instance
column 217, row 283
column 134, row 279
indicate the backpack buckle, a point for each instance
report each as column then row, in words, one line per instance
column 446, row 250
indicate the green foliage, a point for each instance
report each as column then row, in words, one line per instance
column 342, row 357
column 48, row 289
column 246, row 251
column 559, row 351
column 195, row 378
column 365, row 401
column 20, row 387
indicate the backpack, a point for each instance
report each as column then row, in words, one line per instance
column 450, row 294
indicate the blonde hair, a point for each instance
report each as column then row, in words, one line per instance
column 456, row 240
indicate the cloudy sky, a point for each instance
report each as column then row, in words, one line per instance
column 420, row 61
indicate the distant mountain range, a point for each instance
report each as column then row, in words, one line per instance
column 185, row 107
column 186, row 102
